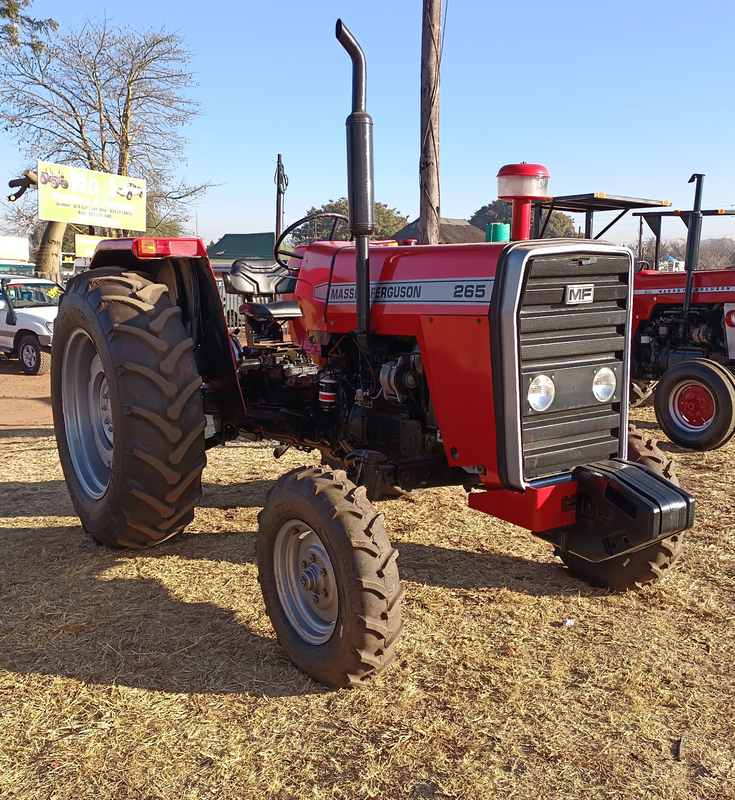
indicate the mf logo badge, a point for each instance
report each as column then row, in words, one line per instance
column 579, row 293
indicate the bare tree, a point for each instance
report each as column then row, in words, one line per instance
column 669, row 247
column 717, row 254
column 104, row 98
column 713, row 253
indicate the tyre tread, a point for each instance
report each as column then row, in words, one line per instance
column 376, row 587
column 649, row 564
column 136, row 313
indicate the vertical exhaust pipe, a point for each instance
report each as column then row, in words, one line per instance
column 694, row 234
column 360, row 191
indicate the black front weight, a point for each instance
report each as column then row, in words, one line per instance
column 621, row 507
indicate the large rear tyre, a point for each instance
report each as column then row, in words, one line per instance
column 127, row 406
column 329, row 577
column 649, row 564
column 695, row 404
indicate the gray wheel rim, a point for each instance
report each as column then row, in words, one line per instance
column 29, row 356
column 87, row 414
column 305, row 581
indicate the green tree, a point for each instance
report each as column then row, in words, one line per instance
column 560, row 225
column 497, row 211
column 387, row 222
column 17, row 27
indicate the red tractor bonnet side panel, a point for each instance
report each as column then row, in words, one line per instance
column 406, row 282
column 653, row 289
column 458, row 369
column 441, row 296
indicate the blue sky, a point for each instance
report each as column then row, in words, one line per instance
column 628, row 98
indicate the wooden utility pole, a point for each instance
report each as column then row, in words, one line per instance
column 429, row 162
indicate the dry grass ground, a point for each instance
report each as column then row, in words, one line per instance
column 157, row 675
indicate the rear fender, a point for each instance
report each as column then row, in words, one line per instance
column 192, row 287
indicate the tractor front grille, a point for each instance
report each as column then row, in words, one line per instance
column 570, row 342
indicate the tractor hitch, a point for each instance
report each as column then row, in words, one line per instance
column 621, row 507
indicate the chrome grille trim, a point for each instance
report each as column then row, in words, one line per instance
column 515, row 328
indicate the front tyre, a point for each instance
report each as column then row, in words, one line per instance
column 695, row 404
column 329, row 577
column 642, row 567
column 127, row 408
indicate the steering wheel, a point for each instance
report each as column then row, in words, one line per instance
column 277, row 252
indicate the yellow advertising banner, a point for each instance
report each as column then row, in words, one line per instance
column 84, row 245
column 84, row 197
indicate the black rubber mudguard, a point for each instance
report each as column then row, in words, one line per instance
column 622, row 507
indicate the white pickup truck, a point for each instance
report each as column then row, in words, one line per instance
column 28, row 308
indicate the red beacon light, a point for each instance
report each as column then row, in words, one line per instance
column 522, row 183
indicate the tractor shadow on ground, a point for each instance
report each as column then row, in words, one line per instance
column 64, row 612
column 422, row 563
column 40, row 499
column 45, row 498
column 25, row 433
column 430, row 565
column 74, row 610
column 235, row 495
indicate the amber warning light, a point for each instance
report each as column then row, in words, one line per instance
column 157, row 248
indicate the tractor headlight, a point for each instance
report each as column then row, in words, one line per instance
column 604, row 384
column 50, row 327
column 541, row 393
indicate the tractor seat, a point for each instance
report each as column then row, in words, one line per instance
column 259, row 277
column 265, row 312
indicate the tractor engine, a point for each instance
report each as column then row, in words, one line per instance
column 665, row 339
column 355, row 408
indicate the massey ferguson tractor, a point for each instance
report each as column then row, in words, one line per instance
column 501, row 368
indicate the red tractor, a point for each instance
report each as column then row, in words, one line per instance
column 683, row 330
column 412, row 367
column 54, row 180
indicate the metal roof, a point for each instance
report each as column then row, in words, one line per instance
column 598, row 201
column 242, row 245
column 451, row 231
column 589, row 204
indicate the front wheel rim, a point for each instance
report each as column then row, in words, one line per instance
column 305, row 582
column 693, row 406
column 87, row 414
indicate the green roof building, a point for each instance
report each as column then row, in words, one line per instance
column 242, row 245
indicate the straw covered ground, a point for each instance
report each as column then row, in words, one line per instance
column 157, row 675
